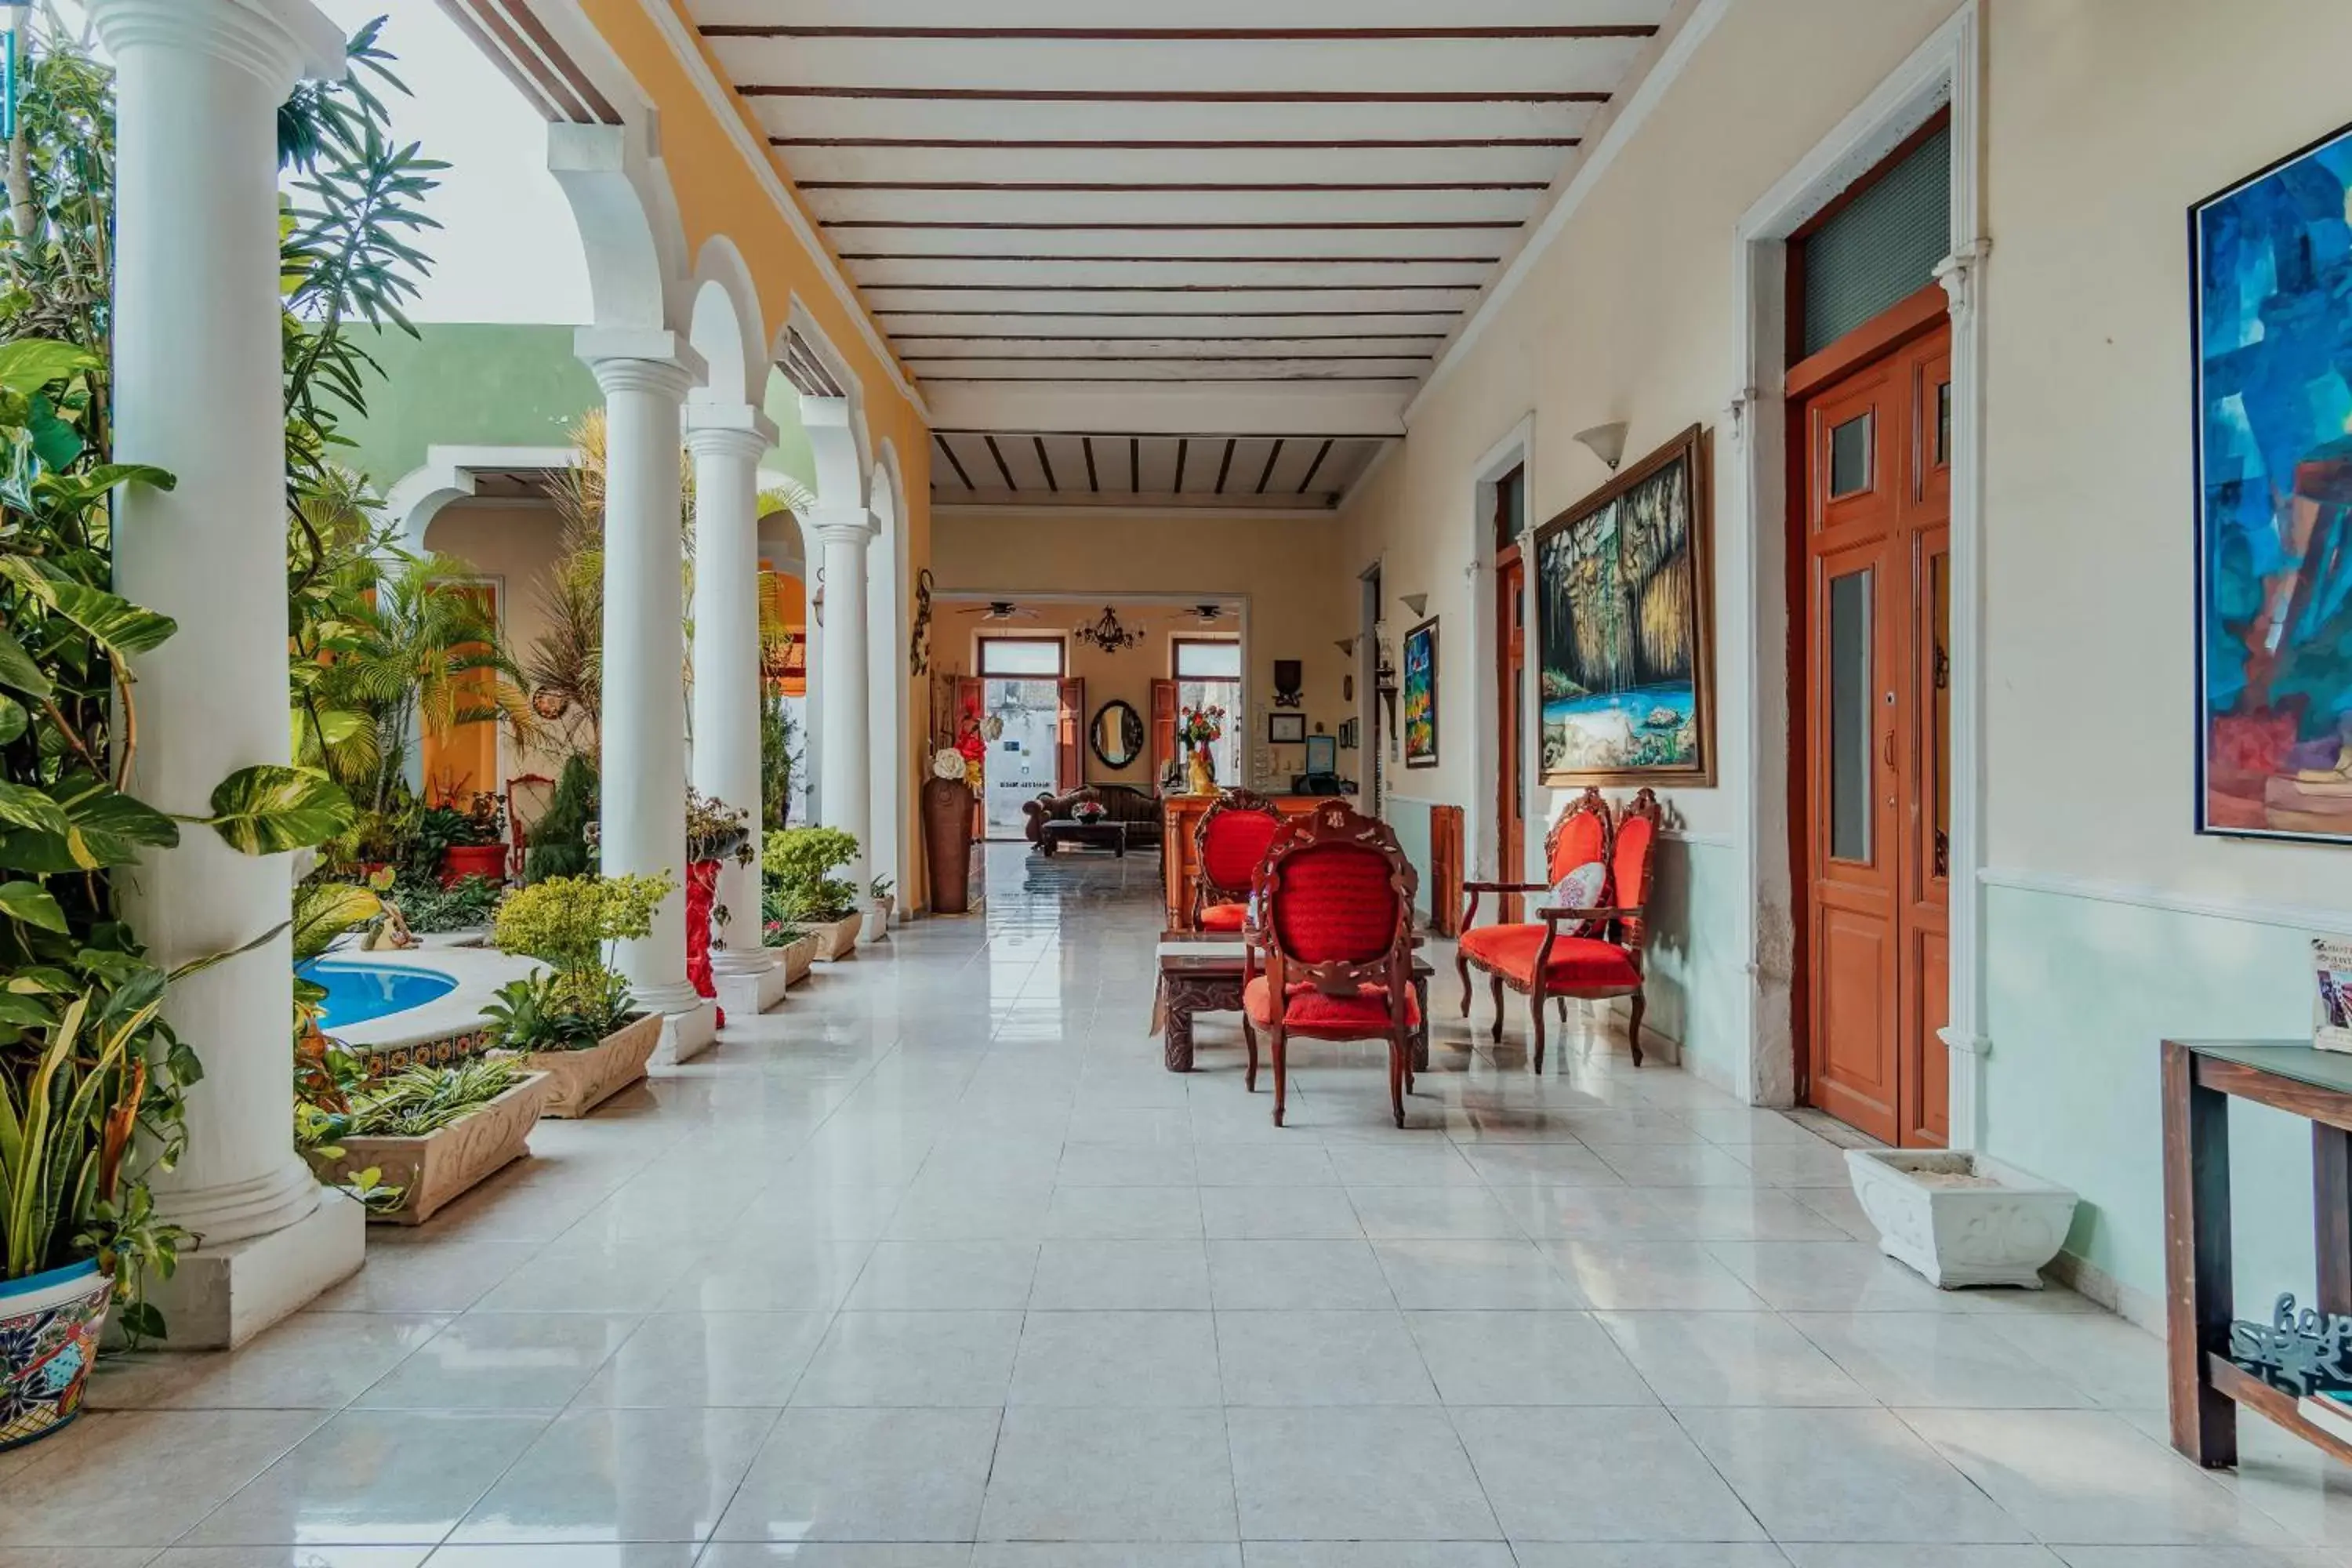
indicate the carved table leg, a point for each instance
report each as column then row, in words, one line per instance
column 1421, row 1034
column 1177, row 1046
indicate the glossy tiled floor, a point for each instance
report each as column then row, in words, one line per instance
column 935, row 1267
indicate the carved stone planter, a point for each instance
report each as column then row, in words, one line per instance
column 835, row 939
column 1960, row 1219
column 582, row 1080
column 798, row 954
column 432, row 1170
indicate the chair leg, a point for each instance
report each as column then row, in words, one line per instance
column 1462, row 967
column 1249, row 1074
column 1496, row 984
column 1536, row 1025
column 1280, row 1080
column 1398, row 1053
column 1635, row 1033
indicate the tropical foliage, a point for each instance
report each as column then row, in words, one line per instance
column 797, row 865
column 409, row 1103
column 560, row 839
column 567, row 921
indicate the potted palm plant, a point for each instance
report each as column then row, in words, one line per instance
column 576, row 1022
column 799, row 865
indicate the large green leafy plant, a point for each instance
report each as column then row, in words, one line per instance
column 92, row 1080
column 569, row 922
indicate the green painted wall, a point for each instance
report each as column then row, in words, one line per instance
column 2082, row 991
column 487, row 385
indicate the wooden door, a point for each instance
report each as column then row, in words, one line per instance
column 1876, row 735
column 460, row 759
column 1511, row 736
column 1164, row 729
column 1070, row 736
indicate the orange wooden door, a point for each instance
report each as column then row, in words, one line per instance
column 1163, row 727
column 459, row 760
column 1511, row 733
column 1876, row 739
column 1070, row 736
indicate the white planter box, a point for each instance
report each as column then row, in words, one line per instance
column 445, row 1165
column 837, row 938
column 797, row 955
column 1960, row 1219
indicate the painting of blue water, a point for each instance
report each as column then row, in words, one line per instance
column 1646, row 726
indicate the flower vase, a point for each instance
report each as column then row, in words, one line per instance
column 1203, row 771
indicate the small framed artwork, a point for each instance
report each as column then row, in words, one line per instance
column 1348, row 730
column 1286, row 728
column 1421, row 695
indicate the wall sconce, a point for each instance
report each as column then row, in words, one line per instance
column 1606, row 442
column 1417, row 603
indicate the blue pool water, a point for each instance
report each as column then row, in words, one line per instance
column 357, row 992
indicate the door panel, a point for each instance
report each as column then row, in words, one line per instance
column 1873, row 452
column 1069, row 736
column 1511, row 738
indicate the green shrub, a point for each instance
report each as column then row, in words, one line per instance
column 560, row 1011
column 430, row 908
column 559, row 840
column 567, row 921
column 795, row 866
column 409, row 1103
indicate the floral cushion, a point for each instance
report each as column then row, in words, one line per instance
column 1307, row 1008
column 1586, row 887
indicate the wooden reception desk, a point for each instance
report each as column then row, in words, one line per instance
column 1179, row 861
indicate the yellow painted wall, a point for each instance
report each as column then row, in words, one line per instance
column 1285, row 568
column 718, row 193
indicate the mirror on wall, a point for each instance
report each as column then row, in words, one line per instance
column 1117, row 734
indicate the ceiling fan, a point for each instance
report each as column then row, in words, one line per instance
column 999, row 610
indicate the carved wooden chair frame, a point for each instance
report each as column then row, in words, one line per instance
column 1334, row 823
column 1205, row 891
column 1626, row 919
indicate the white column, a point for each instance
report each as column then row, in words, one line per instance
column 726, row 444
column 645, row 375
column 196, row 392
column 843, row 765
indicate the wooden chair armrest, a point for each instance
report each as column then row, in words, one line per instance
column 1553, row 916
column 1507, row 887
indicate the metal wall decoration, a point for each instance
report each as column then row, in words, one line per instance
column 1107, row 634
column 919, row 646
column 2304, row 1352
column 1289, row 683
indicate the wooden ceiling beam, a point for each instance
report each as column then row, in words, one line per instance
column 953, row 461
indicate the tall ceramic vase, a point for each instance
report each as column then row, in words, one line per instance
column 946, row 844
column 1203, row 771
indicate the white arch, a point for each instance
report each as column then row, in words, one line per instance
column 725, row 327
column 885, row 634
column 629, row 227
column 452, row 473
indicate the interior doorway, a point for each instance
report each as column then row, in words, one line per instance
column 1510, row 685
column 1021, row 685
column 1870, row 430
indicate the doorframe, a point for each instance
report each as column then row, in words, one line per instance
column 1946, row 70
column 1482, row 834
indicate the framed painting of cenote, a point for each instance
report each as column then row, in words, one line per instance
column 2271, row 288
column 1421, row 695
column 1623, row 633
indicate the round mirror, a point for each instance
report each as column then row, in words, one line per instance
column 1117, row 734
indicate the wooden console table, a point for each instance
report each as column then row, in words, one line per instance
column 2200, row 1078
column 1179, row 815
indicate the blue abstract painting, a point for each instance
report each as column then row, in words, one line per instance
column 2272, row 274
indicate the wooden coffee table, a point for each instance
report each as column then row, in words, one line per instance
column 1104, row 835
column 1201, row 971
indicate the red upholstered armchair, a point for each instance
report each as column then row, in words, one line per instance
column 1598, row 954
column 1329, row 954
column 1228, row 842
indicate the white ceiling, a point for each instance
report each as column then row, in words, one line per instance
column 1075, row 216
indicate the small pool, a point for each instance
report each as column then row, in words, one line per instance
column 358, row 991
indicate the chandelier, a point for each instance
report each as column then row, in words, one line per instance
column 1107, row 634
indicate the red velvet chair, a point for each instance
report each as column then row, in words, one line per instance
column 1601, row 956
column 1228, row 842
column 1333, row 931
